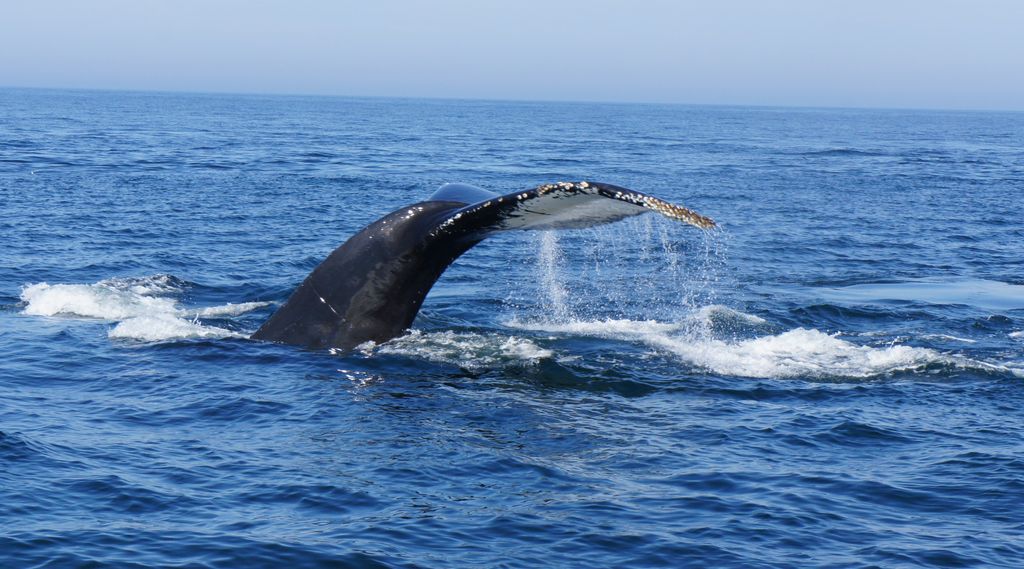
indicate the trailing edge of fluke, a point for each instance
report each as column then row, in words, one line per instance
column 372, row 286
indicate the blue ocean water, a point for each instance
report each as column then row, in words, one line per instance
column 832, row 379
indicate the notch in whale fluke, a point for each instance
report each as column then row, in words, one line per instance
column 372, row 286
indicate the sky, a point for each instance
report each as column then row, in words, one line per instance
column 950, row 54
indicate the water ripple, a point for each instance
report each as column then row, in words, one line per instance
column 832, row 380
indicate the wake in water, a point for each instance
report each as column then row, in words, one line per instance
column 144, row 308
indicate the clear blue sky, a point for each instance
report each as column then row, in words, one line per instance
column 909, row 53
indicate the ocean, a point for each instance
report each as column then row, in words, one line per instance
column 832, row 378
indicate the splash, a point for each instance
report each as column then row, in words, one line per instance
column 163, row 327
column 106, row 299
column 640, row 268
column 549, row 265
column 656, row 289
column 464, row 349
column 798, row 353
column 144, row 308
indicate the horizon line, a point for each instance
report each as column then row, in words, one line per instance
column 155, row 91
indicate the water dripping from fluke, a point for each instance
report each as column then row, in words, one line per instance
column 652, row 290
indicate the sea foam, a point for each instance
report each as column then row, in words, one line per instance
column 145, row 308
column 801, row 352
column 465, row 349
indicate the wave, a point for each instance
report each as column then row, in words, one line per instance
column 145, row 308
column 949, row 338
column 842, row 152
column 980, row 293
column 163, row 327
column 716, row 315
column 797, row 353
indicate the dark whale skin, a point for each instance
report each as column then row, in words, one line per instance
column 372, row 286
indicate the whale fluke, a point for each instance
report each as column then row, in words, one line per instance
column 372, row 286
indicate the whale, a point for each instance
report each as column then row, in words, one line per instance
column 371, row 288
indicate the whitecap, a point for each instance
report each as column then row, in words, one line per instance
column 143, row 307
column 163, row 327
column 99, row 300
column 800, row 352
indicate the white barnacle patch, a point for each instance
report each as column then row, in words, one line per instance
column 569, row 205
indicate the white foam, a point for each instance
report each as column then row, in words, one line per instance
column 147, row 286
column 142, row 307
column 92, row 301
column 229, row 309
column 163, row 327
column 796, row 353
column 948, row 338
column 799, row 353
column 610, row 328
column 1017, row 334
column 464, row 349
column 717, row 313
column 700, row 321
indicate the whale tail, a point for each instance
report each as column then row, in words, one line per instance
column 372, row 286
